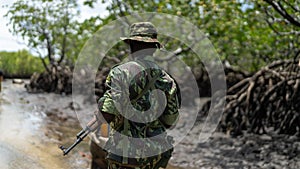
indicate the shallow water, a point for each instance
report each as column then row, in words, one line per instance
column 10, row 157
column 22, row 142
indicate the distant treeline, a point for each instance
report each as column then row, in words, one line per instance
column 20, row 64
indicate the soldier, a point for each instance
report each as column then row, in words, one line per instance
column 137, row 137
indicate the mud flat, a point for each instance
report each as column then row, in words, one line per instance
column 276, row 151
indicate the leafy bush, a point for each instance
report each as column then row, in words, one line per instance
column 19, row 64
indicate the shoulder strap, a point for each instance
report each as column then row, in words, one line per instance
column 149, row 85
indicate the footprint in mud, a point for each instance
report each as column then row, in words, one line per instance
column 11, row 158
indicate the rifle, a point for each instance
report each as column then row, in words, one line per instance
column 90, row 127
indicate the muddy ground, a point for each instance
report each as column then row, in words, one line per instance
column 33, row 125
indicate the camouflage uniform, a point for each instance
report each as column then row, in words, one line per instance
column 132, row 84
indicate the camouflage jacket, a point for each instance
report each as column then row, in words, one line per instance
column 144, row 99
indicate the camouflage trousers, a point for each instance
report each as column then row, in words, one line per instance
column 152, row 165
column 99, row 160
column 98, row 156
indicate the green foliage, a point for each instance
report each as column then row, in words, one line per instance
column 238, row 29
column 247, row 33
column 283, row 18
column 49, row 27
column 21, row 63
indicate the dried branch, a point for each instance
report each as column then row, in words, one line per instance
column 270, row 98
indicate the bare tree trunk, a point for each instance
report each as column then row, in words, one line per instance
column 65, row 33
column 44, row 63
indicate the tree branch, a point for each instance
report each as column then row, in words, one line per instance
column 291, row 6
column 280, row 9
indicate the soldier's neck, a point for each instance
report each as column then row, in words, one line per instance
column 142, row 53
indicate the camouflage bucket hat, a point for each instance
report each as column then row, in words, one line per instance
column 142, row 31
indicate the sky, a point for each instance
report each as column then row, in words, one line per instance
column 8, row 42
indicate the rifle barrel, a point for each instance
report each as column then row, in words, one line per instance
column 91, row 126
column 80, row 136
